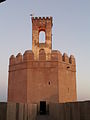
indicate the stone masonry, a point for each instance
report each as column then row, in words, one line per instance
column 42, row 74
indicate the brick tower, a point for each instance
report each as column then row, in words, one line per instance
column 42, row 74
column 38, row 25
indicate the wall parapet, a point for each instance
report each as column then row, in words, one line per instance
column 29, row 56
column 57, row 56
column 42, row 18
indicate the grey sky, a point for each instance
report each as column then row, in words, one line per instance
column 71, row 34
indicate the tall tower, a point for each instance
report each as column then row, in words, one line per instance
column 42, row 74
column 38, row 25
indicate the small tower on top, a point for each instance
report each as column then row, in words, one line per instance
column 39, row 25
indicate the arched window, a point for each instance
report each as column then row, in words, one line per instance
column 42, row 37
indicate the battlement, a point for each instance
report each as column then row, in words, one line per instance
column 57, row 56
column 42, row 18
column 29, row 56
column 42, row 22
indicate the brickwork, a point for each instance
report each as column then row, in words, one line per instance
column 38, row 25
column 42, row 74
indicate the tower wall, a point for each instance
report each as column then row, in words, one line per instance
column 32, row 81
column 17, row 81
column 67, row 79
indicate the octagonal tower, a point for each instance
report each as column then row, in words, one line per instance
column 42, row 74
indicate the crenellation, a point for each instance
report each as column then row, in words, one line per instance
column 12, row 60
column 19, row 58
column 49, row 18
column 56, row 55
column 36, row 18
column 65, row 58
column 72, row 60
column 42, row 18
column 28, row 55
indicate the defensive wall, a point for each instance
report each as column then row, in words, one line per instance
column 57, row 111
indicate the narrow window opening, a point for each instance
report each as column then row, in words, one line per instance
column 49, row 82
column 68, row 67
column 68, row 90
column 42, row 37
